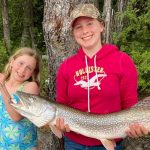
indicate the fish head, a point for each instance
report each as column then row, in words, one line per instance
column 35, row 108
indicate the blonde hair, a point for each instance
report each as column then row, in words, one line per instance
column 20, row 52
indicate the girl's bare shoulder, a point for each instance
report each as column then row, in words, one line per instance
column 32, row 87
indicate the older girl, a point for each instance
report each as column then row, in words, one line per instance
column 98, row 79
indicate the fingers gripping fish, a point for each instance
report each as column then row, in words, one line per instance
column 102, row 127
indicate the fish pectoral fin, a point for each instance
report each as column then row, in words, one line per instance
column 108, row 144
column 56, row 131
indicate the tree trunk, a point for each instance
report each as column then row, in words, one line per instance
column 108, row 15
column 58, row 39
column 59, row 44
column 118, row 21
column 6, row 30
column 28, row 34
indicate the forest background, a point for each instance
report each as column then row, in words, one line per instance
column 23, row 23
column 44, row 26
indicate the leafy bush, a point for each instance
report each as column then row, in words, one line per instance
column 44, row 78
column 142, row 61
column 134, row 39
column 3, row 56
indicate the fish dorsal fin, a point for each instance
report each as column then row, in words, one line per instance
column 143, row 103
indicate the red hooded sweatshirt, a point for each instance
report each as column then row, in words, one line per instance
column 103, row 84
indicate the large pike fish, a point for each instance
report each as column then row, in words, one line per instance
column 102, row 127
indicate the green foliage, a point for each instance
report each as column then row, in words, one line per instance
column 15, row 22
column 44, row 78
column 38, row 8
column 3, row 56
column 135, row 39
column 142, row 61
column 16, row 10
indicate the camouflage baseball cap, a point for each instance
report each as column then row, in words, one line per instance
column 87, row 10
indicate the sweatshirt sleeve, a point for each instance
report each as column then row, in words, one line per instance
column 61, row 84
column 128, row 82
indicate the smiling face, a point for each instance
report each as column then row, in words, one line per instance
column 87, row 32
column 22, row 68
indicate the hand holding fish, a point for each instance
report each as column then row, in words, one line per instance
column 136, row 130
column 61, row 126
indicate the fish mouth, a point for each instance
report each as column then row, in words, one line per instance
column 32, row 108
column 19, row 101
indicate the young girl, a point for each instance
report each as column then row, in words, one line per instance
column 98, row 79
column 22, row 74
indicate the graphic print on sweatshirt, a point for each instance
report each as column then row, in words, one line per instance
column 95, row 77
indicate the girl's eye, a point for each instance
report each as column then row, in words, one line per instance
column 90, row 23
column 77, row 27
column 29, row 68
column 20, row 63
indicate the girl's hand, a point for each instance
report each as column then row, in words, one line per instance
column 62, row 126
column 136, row 130
column 2, row 81
column 2, row 78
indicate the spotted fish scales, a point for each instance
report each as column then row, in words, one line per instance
column 102, row 127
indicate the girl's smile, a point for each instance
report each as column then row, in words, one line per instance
column 87, row 32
